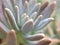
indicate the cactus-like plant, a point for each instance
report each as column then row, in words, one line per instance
column 22, row 20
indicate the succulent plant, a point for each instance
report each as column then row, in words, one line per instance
column 22, row 21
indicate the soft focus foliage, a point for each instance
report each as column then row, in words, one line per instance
column 22, row 22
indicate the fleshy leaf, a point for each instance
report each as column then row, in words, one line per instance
column 35, row 37
column 32, row 3
column 27, row 27
column 26, row 7
column 11, row 38
column 17, row 17
column 48, row 10
column 37, row 20
column 33, row 15
column 11, row 18
column 19, row 3
column 36, row 8
column 43, row 23
column 2, row 18
column 43, row 6
column 45, row 41
column 7, row 4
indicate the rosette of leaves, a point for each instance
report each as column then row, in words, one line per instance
column 21, row 20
